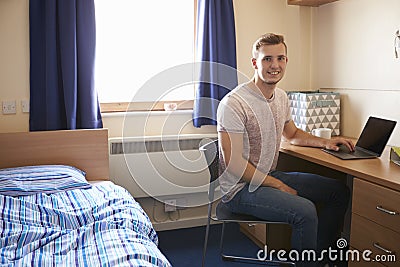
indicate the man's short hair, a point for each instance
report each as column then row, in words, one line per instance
column 268, row 39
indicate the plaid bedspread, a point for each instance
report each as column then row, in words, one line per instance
column 101, row 226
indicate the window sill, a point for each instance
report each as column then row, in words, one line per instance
column 144, row 106
column 147, row 113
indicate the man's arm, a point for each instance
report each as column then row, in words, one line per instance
column 232, row 152
column 299, row 137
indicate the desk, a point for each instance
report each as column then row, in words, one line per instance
column 380, row 171
column 374, row 183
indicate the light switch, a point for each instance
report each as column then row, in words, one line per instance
column 25, row 106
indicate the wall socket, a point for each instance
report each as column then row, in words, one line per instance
column 9, row 107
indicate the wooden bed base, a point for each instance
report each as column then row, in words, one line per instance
column 85, row 149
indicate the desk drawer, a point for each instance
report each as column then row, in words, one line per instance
column 366, row 234
column 377, row 203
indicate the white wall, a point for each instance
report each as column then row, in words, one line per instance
column 355, row 45
column 354, row 55
column 152, row 123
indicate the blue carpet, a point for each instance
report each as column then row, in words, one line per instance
column 184, row 247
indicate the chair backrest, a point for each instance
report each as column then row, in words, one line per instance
column 211, row 154
column 210, row 151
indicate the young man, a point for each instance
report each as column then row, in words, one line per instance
column 252, row 119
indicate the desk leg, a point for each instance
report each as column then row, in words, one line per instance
column 347, row 216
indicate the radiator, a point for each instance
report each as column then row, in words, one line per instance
column 160, row 166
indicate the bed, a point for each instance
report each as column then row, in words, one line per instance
column 58, row 207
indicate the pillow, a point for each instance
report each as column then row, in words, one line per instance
column 29, row 180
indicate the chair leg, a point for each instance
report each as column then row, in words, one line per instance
column 221, row 242
column 207, row 233
column 226, row 257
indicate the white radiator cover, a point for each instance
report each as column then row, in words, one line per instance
column 160, row 166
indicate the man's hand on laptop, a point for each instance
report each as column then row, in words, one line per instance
column 334, row 143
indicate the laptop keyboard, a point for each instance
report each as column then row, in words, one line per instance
column 345, row 153
column 356, row 152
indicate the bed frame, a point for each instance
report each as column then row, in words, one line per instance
column 85, row 149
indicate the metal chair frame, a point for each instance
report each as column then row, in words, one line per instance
column 223, row 214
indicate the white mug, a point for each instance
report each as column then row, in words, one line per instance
column 322, row 132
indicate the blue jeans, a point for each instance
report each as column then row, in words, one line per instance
column 310, row 230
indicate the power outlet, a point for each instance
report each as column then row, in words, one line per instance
column 170, row 205
column 9, row 107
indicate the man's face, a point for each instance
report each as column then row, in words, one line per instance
column 271, row 63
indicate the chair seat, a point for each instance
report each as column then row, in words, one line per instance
column 223, row 213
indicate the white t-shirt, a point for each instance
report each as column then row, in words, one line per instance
column 245, row 110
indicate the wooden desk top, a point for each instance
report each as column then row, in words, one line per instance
column 380, row 170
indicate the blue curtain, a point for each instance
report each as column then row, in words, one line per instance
column 216, row 50
column 62, row 53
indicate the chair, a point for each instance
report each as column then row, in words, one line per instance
column 223, row 213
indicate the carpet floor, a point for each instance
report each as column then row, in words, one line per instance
column 184, row 247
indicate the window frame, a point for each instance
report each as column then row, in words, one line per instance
column 143, row 106
column 110, row 107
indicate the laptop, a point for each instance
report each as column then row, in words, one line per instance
column 371, row 143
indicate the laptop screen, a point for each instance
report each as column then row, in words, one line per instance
column 376, row 134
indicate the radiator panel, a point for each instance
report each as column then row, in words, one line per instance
column 159, row 166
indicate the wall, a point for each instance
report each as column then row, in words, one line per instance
column 256, row 17
column 354, row 56
column 153, row 123
column 14, row 63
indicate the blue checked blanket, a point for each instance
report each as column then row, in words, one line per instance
column 100, row 226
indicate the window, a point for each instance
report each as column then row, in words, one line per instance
column 136, row 41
